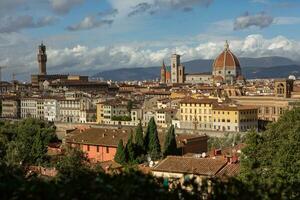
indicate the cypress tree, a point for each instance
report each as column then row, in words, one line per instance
column 153, row 145
column 170, row 145
column 120, row 156
column 139, row 140
column 130, row 150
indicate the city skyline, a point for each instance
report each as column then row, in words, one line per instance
column 83, row 35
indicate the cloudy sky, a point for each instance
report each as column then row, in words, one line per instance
column 87, row 36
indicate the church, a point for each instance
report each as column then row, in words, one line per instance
column 226, row 69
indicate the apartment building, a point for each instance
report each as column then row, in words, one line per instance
column 32, row 107
column 164, row 117
column 196, row 113
column 112, row 110
column 73, row 109
column 51, row 109
column 10, row 107
column 234, row 118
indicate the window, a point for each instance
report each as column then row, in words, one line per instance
column 107, row 149
column 97, row 148
column 88, row 147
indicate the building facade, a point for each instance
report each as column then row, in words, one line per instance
column 235, row 118
column 196, row 113
column 11, row 108
column 198, row 78
column 51, row 109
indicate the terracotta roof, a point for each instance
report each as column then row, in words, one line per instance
column 98, row 136
column 110, row 165
column 218, row 78
column 199, row 101
column 190, row 165
column 111, row 137
column 229, row 170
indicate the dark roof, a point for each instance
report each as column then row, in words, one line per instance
column 99, row 136
column 111, row 137
column 191, row 165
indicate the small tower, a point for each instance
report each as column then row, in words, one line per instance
column 42, row 59
column 163, row 71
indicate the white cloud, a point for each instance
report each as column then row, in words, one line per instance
column 90, row 22
column 261, row 20
column 64, row 6
column 134, row 7
column 10, row 24
column 103, row 57
column 85, row 59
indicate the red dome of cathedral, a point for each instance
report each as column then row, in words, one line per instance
column 226, row 61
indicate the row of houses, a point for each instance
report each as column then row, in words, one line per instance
column 72, row 108
column 193, row 159
column 189, row 113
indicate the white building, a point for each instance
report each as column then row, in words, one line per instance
column 164, row 117
column 199, row 78
column 32, row 107
column 51, row 109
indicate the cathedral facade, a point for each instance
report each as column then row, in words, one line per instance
column 226, row 69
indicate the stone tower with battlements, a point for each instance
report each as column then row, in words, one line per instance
column 42, row 59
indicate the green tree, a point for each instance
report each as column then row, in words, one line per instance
column 120, row 156
column 170, row 145
column 71, row 163
column 271, row 159
column 26, row 141
column 130, row 150
column 154, row 149
column 139, row 140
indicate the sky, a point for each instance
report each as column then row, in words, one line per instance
column 89, row 36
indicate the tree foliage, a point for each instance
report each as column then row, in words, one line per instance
column 271, row 159
column 170, row 145
column 139, row 140
column 153, row 147
column 120, row 156
column 130, row 150
column 25, row 142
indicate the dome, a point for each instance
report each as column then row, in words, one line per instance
column 226, row 60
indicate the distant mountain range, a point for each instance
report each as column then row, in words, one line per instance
column 264, row 67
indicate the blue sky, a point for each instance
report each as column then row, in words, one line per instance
column 87, row 36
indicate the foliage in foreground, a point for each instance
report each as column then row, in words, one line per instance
column 270, row 169
column 25, row 142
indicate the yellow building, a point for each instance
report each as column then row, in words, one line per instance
column 196, row 113
column 234, row 118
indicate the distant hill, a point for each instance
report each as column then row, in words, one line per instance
column 264, row 67
column 272, row 72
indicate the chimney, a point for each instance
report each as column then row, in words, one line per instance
column 103, row 135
